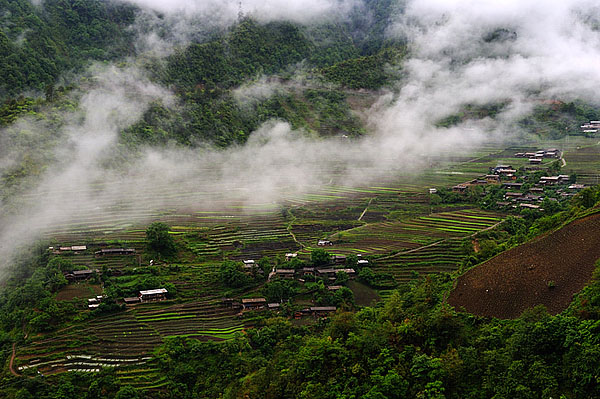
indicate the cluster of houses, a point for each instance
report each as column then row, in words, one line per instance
column 534, row 196
column 536, row 158
column 102, row 252
column 591, row 127
column 256, row 304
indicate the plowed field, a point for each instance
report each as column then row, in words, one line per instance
column 519, row 279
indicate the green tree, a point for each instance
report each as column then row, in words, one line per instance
column 320, row 257
column 232, row 275
column 159, row 240
column 127, row 392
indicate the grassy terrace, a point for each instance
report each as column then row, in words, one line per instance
column 391, row 221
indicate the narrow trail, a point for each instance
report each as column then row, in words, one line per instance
column 365, row 211
column 12, row 359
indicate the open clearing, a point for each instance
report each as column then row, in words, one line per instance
column 547, row 271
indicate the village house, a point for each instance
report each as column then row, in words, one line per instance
column 432, row 190
column 350, row 272
column 496, row 170
column 158, row 294
column 576, row 187
column 338, row 259
column 273, row 306
column 115, row 251
column 93, row 303
column 535, row 161
column 516, row 186
column 323, row 243
column 320, row 311
column 548, row 180
column 326, row 273
column 362, row 262
column 249, row 264
column 334, row 287
column 290, row 256
column 80, row 275
column 530, row 206
column 508, row 173
column 492, row 178
column 511, row 194
column 253, row 303
column 285, row 273
column 130, row 301
column 460, row 188
column 308, row 271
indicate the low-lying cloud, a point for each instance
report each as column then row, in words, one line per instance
column 461, row 53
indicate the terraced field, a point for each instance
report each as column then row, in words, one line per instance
column 128, row 339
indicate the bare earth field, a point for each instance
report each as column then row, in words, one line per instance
column 519, row 279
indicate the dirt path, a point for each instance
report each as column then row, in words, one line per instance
column 12, row 359
column 365, row 211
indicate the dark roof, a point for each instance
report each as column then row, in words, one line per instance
column 323, row 308
column 84, row 272
column 254, row 300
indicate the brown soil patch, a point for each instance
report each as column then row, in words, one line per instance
column 518, row 279
column 79, row 290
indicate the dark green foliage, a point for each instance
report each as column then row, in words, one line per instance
column 366, row 72
column 231, row 275
column 37, row 44
column 471, row 111
column 249, row 50
column 320, row 257
column 159, row 240
column 279, row 290
column 557, row 119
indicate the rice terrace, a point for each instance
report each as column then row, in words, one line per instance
column 399, row 231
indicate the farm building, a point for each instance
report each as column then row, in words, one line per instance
column 131, row 300
column 253, row 303
column 530, row 206
column 115, row 251
column 460, row 188
column 285, row 273
column 158, row 294
column 323, row 243
column 338, row 259
column 322, row 310
column 329, row 272
column 80, row 275
column 516, row 186
column 350, row 272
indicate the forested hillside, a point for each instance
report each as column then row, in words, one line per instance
column 38, row 43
